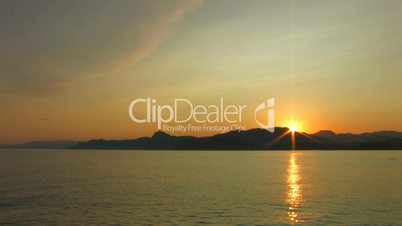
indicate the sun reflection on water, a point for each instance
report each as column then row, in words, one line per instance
column 294, row 197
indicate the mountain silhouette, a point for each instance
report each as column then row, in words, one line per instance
column 58, row 144
column 256, row 139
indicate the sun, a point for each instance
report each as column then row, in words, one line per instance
column 293, row 128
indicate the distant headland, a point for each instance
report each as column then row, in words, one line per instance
column 256, row 139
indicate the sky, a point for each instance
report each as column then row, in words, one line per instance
column 69, row 69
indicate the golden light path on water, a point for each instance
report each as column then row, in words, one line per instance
column 294, row 197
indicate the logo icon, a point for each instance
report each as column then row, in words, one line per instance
column 269, row 106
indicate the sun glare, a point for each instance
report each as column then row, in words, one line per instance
column 293, row 128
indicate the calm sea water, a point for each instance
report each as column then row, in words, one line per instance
column 44, row 187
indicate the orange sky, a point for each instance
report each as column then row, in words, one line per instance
column 67, row 72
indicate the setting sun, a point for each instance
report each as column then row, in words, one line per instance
column 294, row 126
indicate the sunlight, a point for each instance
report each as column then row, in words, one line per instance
column 294, row 126
column 294, row 197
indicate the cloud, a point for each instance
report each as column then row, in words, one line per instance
column 47, row 44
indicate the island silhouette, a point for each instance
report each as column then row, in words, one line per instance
column 256, row 139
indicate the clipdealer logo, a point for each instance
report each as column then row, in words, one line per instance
column 269, row 106
column 183, row 113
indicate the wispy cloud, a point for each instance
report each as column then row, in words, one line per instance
column 49, row 43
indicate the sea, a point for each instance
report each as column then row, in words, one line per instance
column 113, row 187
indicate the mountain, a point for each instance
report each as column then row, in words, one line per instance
column 59, row 144
column 390, row 140
column 256, row 139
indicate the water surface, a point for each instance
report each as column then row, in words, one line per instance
column 43, row 187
